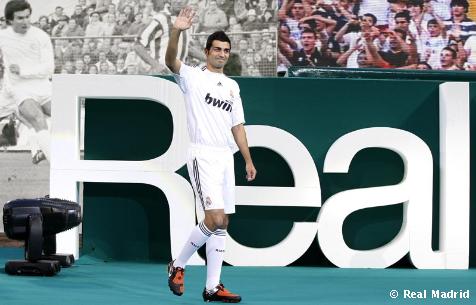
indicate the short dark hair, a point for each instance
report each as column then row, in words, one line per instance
column 218, row 35
column 374, row 19
column 403, row 14
column 307, row 30
column 432, row 21
column 454, row 55
column 415, row 3
column 16, row 6
column 463, row 3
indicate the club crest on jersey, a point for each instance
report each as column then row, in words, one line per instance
column 225, row 105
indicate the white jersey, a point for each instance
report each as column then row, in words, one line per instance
column 7, row 104
column 33, row 53
column 213, row 106
column 433, row 47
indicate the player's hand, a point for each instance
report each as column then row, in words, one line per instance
column 15, row 69
column 184, row 18
column 250, row 171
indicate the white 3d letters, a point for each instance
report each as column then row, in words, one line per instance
column 306, row 192
column 414, row 191
column 67, row 169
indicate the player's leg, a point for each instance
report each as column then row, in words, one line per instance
column 36, row 154
column 215, row 248
column 32, row 112
column 214, row 289
column 46, row 107
column 200, row 176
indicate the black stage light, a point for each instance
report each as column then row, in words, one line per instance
column 37, row 221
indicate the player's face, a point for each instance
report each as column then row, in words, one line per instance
column 79, row 65
column 21, row 21
column 270, row 51
column 401, row 23
column 308, row 41
column 363, row 61
column 446, row 58
column 366, row 21
column 458, row 10
column 297, row 11
column 218, row 54
column 434, row 30
column 415, row 10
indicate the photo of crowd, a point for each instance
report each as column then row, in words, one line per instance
column 130, row 36
column 403, row 34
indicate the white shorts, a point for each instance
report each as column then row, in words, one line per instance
column 20, row 94
column 211, row 171
column 20, row 97
column 7, row 104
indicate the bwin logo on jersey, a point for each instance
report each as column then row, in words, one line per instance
column 225, row 105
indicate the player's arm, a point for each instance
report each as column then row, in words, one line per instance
column 182, row 22
column 239, row 135
column 171, row 60
column 46, row 66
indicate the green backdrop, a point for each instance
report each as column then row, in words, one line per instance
column 316, row 111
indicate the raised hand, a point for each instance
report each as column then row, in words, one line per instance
column 184, row 18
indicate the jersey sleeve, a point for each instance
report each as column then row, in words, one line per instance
column 237, row 113
column 46, row 66
column 184, row 77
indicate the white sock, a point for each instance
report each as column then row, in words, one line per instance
column 33, row 143
column 198, row 237
column 215, row 253
column 43, row 137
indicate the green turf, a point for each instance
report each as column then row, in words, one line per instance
column 92, row 281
